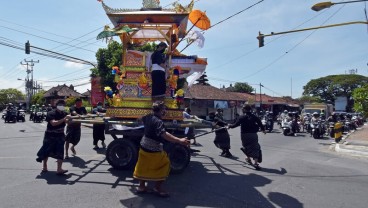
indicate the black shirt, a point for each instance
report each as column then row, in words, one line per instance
column 153, row 127
column 249, row 123
column 73, row 111
column 55, row 115
column 158, row 57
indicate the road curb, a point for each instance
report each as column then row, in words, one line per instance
column 355, row 152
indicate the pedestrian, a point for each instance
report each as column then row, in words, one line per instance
column 153, row 163
column 158, row 72
column 73, row 130
column 189, row 130
column 222, row 138
column 99, row 129
column 250, row 125
column 54, row 138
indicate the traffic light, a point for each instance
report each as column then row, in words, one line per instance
column 260, row 39
column 28, row 48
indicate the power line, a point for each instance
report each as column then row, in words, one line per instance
column 25, row 26
column 46, row 38
column 236, row 13
column 291, row 49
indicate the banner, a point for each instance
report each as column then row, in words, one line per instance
column 97, row 94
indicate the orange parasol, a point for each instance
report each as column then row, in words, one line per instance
column 199, row 19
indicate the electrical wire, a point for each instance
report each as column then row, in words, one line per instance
column 46, row 38
column 291, row 49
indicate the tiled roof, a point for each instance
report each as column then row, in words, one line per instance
column 87, row 93
column 208, row 92
column 62, row 91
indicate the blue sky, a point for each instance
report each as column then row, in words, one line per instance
column 284, row 65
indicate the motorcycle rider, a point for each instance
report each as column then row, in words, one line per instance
column 32, row 112
column 315, row 117
column 269, row 119
column 306, row 121
column 9, row 109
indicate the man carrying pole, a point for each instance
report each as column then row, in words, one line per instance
column 250, row 125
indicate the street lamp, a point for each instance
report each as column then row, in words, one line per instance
column 324, row 5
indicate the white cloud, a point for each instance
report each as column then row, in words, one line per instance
column 73, row 65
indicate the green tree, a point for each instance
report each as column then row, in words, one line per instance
column 70, row 101
column 329, row 87
column 10, row 95
column 112, row 56
column 38, row 98
column 106, row 59
column 360, row 96
column 309, row 99
column 243, row 87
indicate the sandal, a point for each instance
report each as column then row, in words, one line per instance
column 256, row 166
column 249, row 161
column 161, row 193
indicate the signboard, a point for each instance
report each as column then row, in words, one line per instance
column 97, row 95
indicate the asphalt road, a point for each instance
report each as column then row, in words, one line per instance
column 297, row 172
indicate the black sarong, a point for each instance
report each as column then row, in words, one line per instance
column 222, row 140
column 53, row 146
column 158, row 83
column 98, row 133
column 73, row 135
column 251, row 147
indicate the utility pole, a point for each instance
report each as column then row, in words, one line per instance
column 291, row 87
column 29, row 83
column 260, row 95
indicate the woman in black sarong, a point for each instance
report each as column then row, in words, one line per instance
column 222, row 139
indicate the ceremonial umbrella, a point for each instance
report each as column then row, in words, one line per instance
column 199, row 19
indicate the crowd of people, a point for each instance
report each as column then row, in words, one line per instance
column 153, row 163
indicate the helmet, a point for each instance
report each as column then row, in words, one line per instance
column 10, row 103
column 308, row 114
column 33, row 105
column 43, row 105
column 220, row 110
column 37, row 105
column 315, row 114
column 285, row 111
